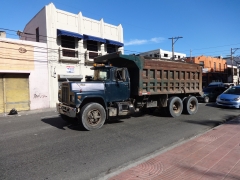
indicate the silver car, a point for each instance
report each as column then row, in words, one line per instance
column 230, row 97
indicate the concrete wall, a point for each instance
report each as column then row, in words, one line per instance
column 18, row 56
column 38, row 21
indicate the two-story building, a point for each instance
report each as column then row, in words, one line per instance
column 214, row 68
column 72, row 41
column 233, row 69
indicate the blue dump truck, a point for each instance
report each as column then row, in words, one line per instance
column 125, row 84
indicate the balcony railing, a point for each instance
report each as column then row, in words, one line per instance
column 68, row 54
column 90, row 55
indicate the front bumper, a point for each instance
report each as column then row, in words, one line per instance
column 66, row 110
column 227, row 104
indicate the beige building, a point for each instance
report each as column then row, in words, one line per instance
column 23, row 75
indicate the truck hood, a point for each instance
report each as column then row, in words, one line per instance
column 87, row 86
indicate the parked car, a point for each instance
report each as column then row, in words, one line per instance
column 230, row 98
column 216, row 84
column 228, row 85
column 211, row 93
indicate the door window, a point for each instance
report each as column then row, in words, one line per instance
column 120, row 75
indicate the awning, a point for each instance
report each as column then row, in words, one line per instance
column 93, row 38
column 68, row 33
column 114, row 42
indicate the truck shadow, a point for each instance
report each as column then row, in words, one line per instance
column 113, row 120
column 157, row 113
column 229, row 119
column 59, row 123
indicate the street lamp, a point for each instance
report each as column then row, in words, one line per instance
column 173, row 44
column 233, row 50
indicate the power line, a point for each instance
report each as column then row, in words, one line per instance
column 132, row 51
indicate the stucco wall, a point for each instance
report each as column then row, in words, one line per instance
column 28, row 57
column 38, row 21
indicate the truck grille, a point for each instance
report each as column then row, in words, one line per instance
column 65, row 93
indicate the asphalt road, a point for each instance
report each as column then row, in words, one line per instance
column 42, row 146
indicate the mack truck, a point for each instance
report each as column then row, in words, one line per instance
column 122, row 85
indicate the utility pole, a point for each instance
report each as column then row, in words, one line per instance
column 233, row 50
column 173, row 42
column 190, row 55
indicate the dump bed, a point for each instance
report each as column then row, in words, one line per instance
column 156, row 76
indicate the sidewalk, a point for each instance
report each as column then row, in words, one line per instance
column 29, row 112
column 212, row 155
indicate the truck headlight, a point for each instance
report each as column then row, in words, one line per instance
column 72, row 98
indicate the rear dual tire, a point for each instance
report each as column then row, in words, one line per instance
column 188, row 106
column 175, row 106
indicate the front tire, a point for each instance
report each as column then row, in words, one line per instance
column 190, row 105
column 175, row 106
column 92, row 116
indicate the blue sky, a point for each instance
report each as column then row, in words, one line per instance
column 208, row 27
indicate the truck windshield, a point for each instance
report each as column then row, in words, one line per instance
column 101, row 74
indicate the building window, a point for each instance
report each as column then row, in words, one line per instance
column 92, row 45
column 156, row 55
column 201, row 63
column 150, row 55
column 111, row 48
column 37, row 35
column 69, row 43
column 219, row 66
column 214, row 66
column 165, row 55
column 178, row 57
column 235, row 72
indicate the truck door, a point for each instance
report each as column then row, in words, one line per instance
column 119, row 88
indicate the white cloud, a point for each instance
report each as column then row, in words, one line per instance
column 143, row 41
column 157, row 40
column 135, row 42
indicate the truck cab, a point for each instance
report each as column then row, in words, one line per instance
column 108, row 86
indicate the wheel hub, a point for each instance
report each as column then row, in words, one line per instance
column 94, row 117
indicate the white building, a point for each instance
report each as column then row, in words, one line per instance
column 159, row 53
column 233, row 69
column 73, row 41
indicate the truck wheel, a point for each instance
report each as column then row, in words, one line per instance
column 92, row 116
column 190, row 105
column 206, row 99
column 175, row 106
